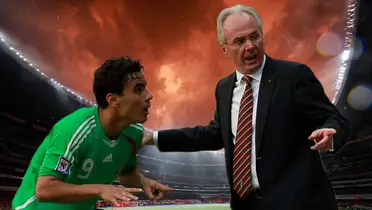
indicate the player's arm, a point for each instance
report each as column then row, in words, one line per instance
column 130, row 175
column 53, row 189
column 63, row 153
column 65, row 149
column 134, row 178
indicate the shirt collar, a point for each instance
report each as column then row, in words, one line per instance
column 255, row 75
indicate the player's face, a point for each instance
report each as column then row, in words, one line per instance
column 244, row 42
column 134, row 104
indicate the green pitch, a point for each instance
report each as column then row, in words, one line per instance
column 179, row 207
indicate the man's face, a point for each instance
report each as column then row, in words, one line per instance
column 134, row 104
column 244, row 42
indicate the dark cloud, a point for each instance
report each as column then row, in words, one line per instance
column 175, row 40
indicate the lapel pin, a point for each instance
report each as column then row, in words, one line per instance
column 269, row 80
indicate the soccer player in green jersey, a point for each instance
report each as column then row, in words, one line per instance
column 86, row 150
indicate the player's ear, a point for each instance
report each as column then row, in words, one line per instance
column 112, row 99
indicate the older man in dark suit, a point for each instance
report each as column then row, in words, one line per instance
column 268, row 115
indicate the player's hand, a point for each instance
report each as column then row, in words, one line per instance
column 154, row 190
column 111, row 194
column 323, row 139
column 147, row 137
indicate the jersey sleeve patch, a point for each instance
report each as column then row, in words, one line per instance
column 63, row 166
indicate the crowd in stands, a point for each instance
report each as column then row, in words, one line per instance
column 183, row 173
column 123, row 204
column 5, row 205
column 353, row 161
column 101, row 204
column 172, row 198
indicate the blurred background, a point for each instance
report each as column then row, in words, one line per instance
column 50, row 49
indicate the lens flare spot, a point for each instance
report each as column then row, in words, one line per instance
column 329, row 44
column 360, row 98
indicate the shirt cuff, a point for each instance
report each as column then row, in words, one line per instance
column 332, row 149
column 155, row 138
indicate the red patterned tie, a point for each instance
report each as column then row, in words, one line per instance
column 242, row 178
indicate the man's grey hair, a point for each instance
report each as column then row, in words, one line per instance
column 234, row 10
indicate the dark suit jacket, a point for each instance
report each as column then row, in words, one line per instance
column 291, row 105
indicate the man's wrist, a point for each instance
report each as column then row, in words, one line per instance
column 98, row 189
column 133, row 178
column 141, row 178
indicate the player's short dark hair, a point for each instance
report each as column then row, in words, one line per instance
column 112, row 76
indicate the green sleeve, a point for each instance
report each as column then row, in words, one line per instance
column 66, row 146
column 132, row 163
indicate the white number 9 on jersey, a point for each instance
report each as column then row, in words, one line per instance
column 86, row 168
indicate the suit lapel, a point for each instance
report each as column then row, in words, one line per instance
column 229, row 94
column 225, row 110
column 264, row 96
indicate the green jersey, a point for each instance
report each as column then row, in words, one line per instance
column 78, row 152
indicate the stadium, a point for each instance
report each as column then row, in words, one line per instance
column 33, row 102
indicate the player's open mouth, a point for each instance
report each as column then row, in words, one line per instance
column 146, row 110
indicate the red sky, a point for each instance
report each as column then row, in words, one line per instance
column 175, row 40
